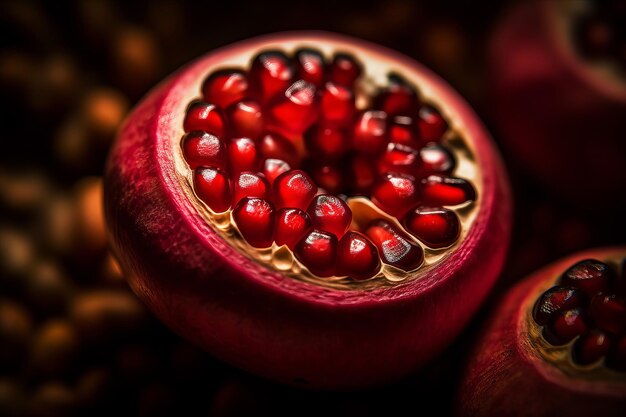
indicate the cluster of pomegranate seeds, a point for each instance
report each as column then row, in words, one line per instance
column 284, row 146
column 588, row 306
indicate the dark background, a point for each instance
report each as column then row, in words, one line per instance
column 73, row 339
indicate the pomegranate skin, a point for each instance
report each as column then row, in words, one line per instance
column 506, row 377
column 558, row 117
column 217, row 297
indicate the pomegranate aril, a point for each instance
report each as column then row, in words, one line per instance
column 369, row 134
column 291, row 225
column 203, row 149
column 255, row 218
column 564, row 327
column 590, row 276
column 344, row 70
column 310, row 66
column 398, row 98
column 395, row 193
column 328, row 177
column 608, row 312
column 275, row 146
column 362, row 174
column 246, row 119
column 317, row 250
column 357, row 257
column 446, row 191
column 435, row 227
column 250, row 184
column 591, row 347
column 617, row 356
column 431, row 123
column 206, row 117
column 403, row 130
column 394, row 247
column 399, row 158
column 297, row 108
column 272, row 168
column 294, row 189
column 212, row 186
column 330, row 214
column 436, row 159
column 554, row 300
column 270, row 74
column 225, row 87
column 337, row 106
column 242, row 155
column 326, row 142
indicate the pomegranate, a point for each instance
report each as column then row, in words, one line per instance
column 555, row 344
column 282, row 245
column 558, row 101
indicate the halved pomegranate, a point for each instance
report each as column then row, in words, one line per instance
column 287, row 253
column 555, row 344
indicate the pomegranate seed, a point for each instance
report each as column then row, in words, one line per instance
column 291, row 226
column 399, row 158
column 431, row 123
column 591, row 347
column 225, row 87
column 445, row 191
column 436, row 159
column 330, row 214
column 435, row 227
column 246, row 119
column 310, row 66
column 275, row 146
column 369, row 134
column 242, row 155
column 326, row 142
column 203, row 149
column 272, row 168
column 344, row 70
column 554, row 300
column 255, row 220
column 327, row 177
column 250, row 184
column 270, row 74
column 206, row 117
column 403, row 130
column 395, row 193
column 294, row 189
column 318, row 251
column 361, row 174
column 590, row 276
column 398, row 98
column 564, row 327
column 297, row 108
column 617, row 356
column 609, row 313
column 212, row 186
column 337, row 105
column 394, row 247
column 357, row 257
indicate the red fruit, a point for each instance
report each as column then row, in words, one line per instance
column 205, row 117
column 369, row 134
column 362, row 174
column 337, row 105
column 399, row 158
column 272, row 168
column 310, row 66
column 255, row 218
column 203, row 149
column 326, row 142
column 225, row 87
column 444, row 191
column 435, row 227
column 291, row 226
column 394, row 247
column 357, row 257
column 398, row 98
column 294, row 189
column 403, row 130
column 271, row 73
column 212, row 186
column 275, row 146
column 328, row 177
column 436, row 159
column 297, row 108
column 555, row 300
column 590, row 276
column 246, row 119
column 395, row 193
column 249, row 184
column 431, row 124
column 565, row 326
column 318, row 251
column 591, row 347
column 608, row 312
column 344, row 70
column 330, row 214
column 242, row 155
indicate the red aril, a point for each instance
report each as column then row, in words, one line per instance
column 400, row 159
column 591, row 347
column 369, row 134
column 557, row 299
column 204, row 149
column 270, row 74
column 272, row 168
column 255, row 218
column 246, row 119
column 212, row 186
column 436, row 160
column 344, row 70
column 565, row 326
column 310, row 66
column 294, row 189
column 590, row 276
column 291, row 226
column 395, row 193
column 250, row 184
column 205, row 117
column 317, row 250
column 357, row 257
column 330, row 214
column 361, row 174
column 431, row 124
column 337, row 105
column 394, row 247
column 445, row 191
column 403, row 130
column 275, row 146
column 398, row 98
column 326, row 142
column 608, row 312
column 328, row 177
column 296, row 109
column 436, row 227
column 242, row 155
column 225, row 87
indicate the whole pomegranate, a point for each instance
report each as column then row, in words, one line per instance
column 309, row 207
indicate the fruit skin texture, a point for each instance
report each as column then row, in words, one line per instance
column 506, row 377
column 553, row 112
column 212, row 294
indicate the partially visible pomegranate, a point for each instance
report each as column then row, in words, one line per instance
column 555, row 344
column 336, row 224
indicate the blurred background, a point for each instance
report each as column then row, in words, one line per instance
column 73, row 339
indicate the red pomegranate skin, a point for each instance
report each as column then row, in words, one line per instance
column 556, row 115
column 214, row 295
column 505, row 376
